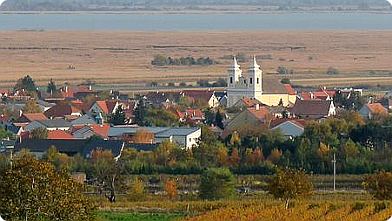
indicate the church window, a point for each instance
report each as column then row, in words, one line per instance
column 231, row 80
column 251, row 81
column 257, row 81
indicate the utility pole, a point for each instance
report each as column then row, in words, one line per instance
column 334, row 171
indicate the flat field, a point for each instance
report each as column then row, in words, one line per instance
column 123, row 58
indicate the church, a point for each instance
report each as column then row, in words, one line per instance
column 268, row 91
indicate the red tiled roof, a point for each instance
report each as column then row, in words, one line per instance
column 196, row 94
column 290, row 89
column 305, row 95
column 194, row 113
column 377, row 108
column 59, row 135
column 102, row 105
column 60, row 110
column 81, row 106
column 102, row 130
column 179, row 114
column 261, row 113
column 26, row 118
column 248, row 102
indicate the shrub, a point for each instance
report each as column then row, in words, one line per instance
column 216, row 183
column 379, row 185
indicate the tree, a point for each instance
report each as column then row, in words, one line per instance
column 39, row 133
column 332, row 71
column 51, row 87
column 379, row 185
column 5, row 133
column 136, row 192
column 143, row 137
column 107, row 172
column 171, row 189
column 33, row 190
column 118, row 118
column 26, row 83
column 141, row 114
column 216, row 183
column 289, row 184
column 31, row 107
column 219, row 120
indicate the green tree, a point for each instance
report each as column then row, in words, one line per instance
column 31, row 107
column 51, row 87
column 289, row 184
column 4, row 133
column 379, row 185
column 217, row 183
column 219, row 120
column 136, row 191
column 33, row 190
column 141, row 114
column 26, row 83
column 118, row 118
column 40, row 133
column 332, row 71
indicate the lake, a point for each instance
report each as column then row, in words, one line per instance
column 198, row 22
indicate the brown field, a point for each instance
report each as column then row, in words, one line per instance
column 123, row 58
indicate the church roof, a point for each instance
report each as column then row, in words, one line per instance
column 272, row 85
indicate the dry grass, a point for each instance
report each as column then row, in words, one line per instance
column 115, row 57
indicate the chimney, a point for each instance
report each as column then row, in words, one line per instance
column 66, row 88
column 90, row 88
column 257, row 107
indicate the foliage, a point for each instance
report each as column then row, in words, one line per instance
column 140, row 114
column 171, row 189
column 332, row 71
column 5, row 133
column 216, row 183
column 51, row 87
column 39, row 133
column 379, row 185
column 114, row 216
column 118, row 118
column 136, row 191
column 161, row 60
column 143, row 137
column 33, row 190
column 31, row 107
column 283, row 70
column 26, row 83
column 289, row 184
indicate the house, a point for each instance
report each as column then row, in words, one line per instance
column 247, row 102
column 156, row 98
column 40, row 147
column 114, row 146
column 204, row 95
column 369, row 110
column 104, row 107
column 83, row 120
column 28, row 118
column 315, row 109
column 183, row 136
column 44, row 105
column 59, row 135
column 57, row 124
column 87, row 131
column 289, row 127
column 195, row 116
column 387, row 103
column 251, row 120
column 61, row 110
column 322, row 94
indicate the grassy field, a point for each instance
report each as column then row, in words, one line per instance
column 113, row 216
column 123, row 59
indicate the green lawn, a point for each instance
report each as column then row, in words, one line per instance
column 113, row 216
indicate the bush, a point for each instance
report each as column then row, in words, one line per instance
column 216, row 183
column 379, row 185
column 332, row 71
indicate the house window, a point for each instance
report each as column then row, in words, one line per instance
column 231, row 80
column 257, row 81
column 251, row 80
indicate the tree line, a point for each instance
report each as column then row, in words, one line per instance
column 160, row 60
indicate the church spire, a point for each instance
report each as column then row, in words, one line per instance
column 254, row 65
column 235, row 64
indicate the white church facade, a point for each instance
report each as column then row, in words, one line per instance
column 252, row 85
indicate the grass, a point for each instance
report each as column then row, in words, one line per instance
column 117, row 216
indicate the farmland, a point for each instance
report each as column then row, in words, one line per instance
column 362, row 57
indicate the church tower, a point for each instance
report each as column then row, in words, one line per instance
column 234, row 74
column 255, row 84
